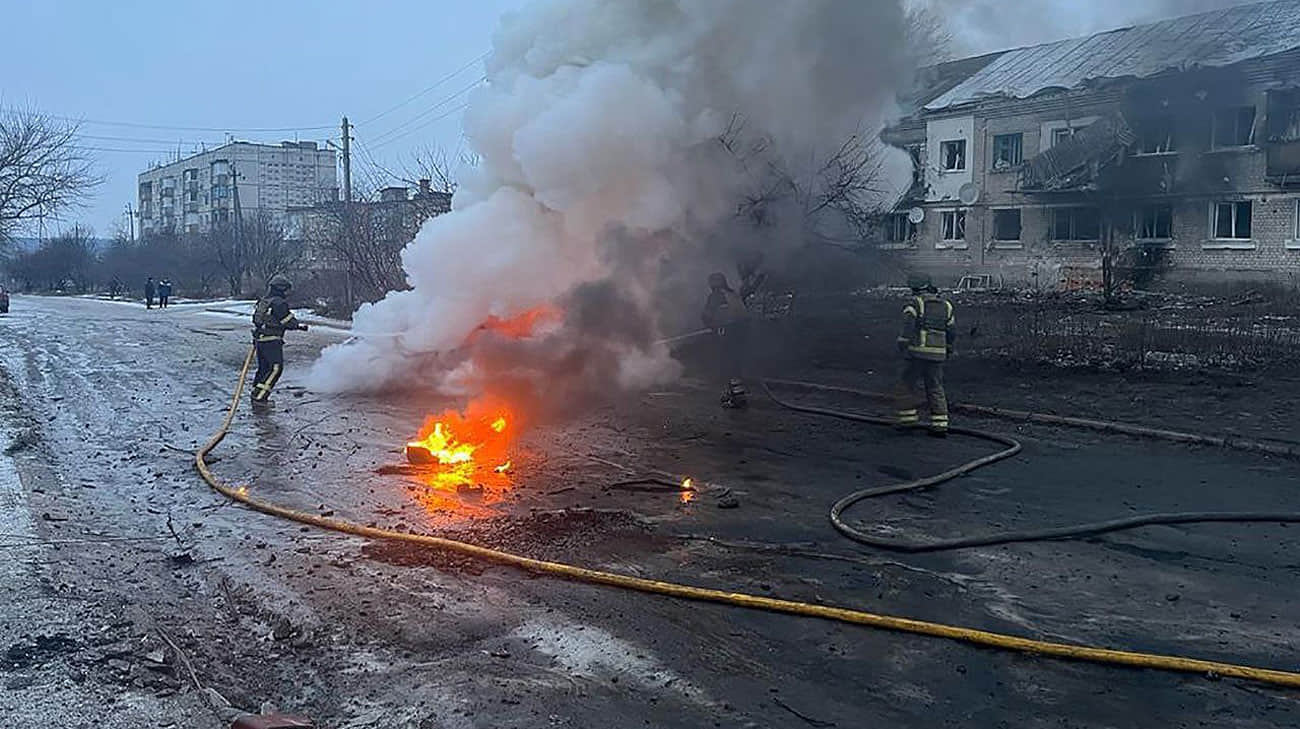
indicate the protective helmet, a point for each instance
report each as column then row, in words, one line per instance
column 919, row 282
column 717, row 281
column 279, row 283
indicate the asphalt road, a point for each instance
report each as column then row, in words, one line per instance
column 101, row 400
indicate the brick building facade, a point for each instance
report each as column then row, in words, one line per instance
column 1173, row 146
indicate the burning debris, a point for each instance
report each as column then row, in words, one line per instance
column 464, row 454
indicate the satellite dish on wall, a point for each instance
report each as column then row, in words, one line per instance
column 915, row 215
column 968, row 193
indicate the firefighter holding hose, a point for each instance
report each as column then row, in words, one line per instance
column 271, row 319
column 926, row 341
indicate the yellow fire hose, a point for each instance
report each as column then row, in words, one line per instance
column 738, row 599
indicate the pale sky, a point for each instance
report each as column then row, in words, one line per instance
column 153, row 67
column 237, row 65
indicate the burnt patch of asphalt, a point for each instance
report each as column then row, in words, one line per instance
column 542, row 534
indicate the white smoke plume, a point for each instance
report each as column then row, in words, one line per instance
column 602, row 175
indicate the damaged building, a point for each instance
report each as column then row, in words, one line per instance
column 1171, row 148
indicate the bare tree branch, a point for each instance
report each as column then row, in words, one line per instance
column 42, row 172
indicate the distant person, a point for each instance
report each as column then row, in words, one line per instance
column 150, row 290
column 926, row 341
column 271, row 319
column 115, row 287
column 726, row 315
column 164, row 292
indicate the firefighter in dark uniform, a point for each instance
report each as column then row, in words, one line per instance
column 726, row 315
column 271, row 319
column 926, row 341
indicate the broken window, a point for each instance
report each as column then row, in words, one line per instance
column 1234, row 126
column 1006, row 225
column 953, row 224
column 1076, row 224
column 1155, row 222
column 1232, row 220
column 1156, row 136
column 953, row 154
column 898, row 229
column 1007, row 150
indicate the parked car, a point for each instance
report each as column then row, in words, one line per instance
column 4, row 301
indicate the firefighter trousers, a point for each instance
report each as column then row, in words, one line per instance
column 270, row 363
column 922, row 377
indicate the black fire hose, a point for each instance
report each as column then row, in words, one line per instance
column 1011, row 448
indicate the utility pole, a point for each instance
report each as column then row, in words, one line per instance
column 347, row 163
column 347, row 209
column 239, row 226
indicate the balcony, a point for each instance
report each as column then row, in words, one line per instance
column 1283, row 163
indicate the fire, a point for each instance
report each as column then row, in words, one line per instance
column 466, row 455
column 521, row 325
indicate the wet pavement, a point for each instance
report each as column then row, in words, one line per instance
column 102, row 402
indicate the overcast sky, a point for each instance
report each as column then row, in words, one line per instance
column 237, row 65
column 240, row 64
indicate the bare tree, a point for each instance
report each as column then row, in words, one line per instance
column 926, row 37
column 66, row 261
column 42, row 172
column 267, row 250
column 433, row 164
column 836, row 197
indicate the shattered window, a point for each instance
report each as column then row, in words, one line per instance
column 915, row 151
column 953, row 223
column 1232, row 220
column 1156, row 222
column 1234, row 127
column 1006, row 224
column 899, row 229
column 1076, row 224
column 954, row 154
column 1007, row 150
column 1156, row 136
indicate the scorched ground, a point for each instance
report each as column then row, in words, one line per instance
column 102, row 401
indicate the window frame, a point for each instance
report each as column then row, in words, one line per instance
column 1236, row 110
column 908, row 240
column 1019, row 148
column 1165, row 125
column 1214, row 241
column 1139, row 223
column 1294, row 242
column 957, row 243
column 1018, row 241
column 1072, row 224
column 943, row 155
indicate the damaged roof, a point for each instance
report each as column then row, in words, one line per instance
column 1216, row 38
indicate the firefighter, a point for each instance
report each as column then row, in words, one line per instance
column 271, row 319
column 726, row 315
column 926, row 341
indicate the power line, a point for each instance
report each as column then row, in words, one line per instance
column 145, row 141
column 384, row 137
column 426, row 90
column 409, row 132
column 136, row 125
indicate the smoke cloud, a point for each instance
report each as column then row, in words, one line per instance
column 603, row 183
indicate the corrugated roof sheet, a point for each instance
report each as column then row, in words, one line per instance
column 1216, row 38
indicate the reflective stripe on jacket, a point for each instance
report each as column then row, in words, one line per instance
column 927, row 327
column 271, row 317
